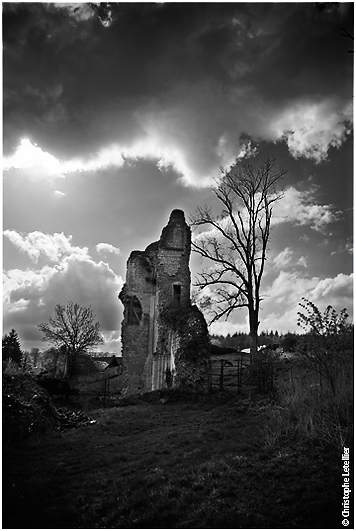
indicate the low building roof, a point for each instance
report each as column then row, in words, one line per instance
column 112, row 360
column 217, row 350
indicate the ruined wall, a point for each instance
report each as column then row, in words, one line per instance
column 157, row 288
column 190, row 346
column 173, row 262
column 138, row 296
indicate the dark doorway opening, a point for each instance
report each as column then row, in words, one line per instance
column 177, row 292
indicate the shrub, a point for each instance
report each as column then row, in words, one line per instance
column 317, row 410
column 27, row 408
column 192, row 346
column 261, row 373
column 327, row 347
column 11, row 368
column 289, row 342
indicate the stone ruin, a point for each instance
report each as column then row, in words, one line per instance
column 165, row 339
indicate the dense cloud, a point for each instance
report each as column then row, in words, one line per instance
column 185, row 84
column 301, row 208
column 31, row 295
column 53, row 247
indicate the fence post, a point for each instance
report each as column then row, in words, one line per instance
column 241, row 365
column 239, row 376
column 222, row 376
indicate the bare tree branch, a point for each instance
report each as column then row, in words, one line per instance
column 72, row 326
column 237, row 240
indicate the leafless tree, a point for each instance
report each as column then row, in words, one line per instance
column 72, row 328
column 235, row 242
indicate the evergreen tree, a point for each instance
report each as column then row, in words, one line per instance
column 11, row 347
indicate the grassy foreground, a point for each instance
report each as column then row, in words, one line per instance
column 170, row 463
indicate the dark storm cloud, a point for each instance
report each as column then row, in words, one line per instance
column 297, row 49
column 105, row 73
column 187, row 79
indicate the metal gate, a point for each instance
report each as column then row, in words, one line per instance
column 227, row 375
column 231, row 375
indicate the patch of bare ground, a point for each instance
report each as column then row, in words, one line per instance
column 170, row 462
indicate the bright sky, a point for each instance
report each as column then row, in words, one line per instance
column 112, row 120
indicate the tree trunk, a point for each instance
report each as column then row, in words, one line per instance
column 56, row 358
column 253, row 348
column 253, row 335
column 69, row 364
column 66, row 367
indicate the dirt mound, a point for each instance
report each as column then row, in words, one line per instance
column 66, row 419
column 28, row 409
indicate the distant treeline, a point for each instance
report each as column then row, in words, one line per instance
column 51, row 359
column 54, row 358
column 241, row 340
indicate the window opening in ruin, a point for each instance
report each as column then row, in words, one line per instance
column 177, row 291
column 134, row 311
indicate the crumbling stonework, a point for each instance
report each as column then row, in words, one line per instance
column 162, row 333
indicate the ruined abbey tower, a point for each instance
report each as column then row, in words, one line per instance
column 162, row 333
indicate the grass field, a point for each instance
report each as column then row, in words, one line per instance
column 171, row 463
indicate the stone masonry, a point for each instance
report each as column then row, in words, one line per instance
column 156, row 297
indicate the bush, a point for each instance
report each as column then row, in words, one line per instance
column 318, row 409
column 192, row 359
column 289, row 342
column 261, row 372
column 327, row 347
column 27, row 408
column 11, row 368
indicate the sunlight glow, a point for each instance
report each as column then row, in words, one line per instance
column 30, row 156
column 40, row 164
